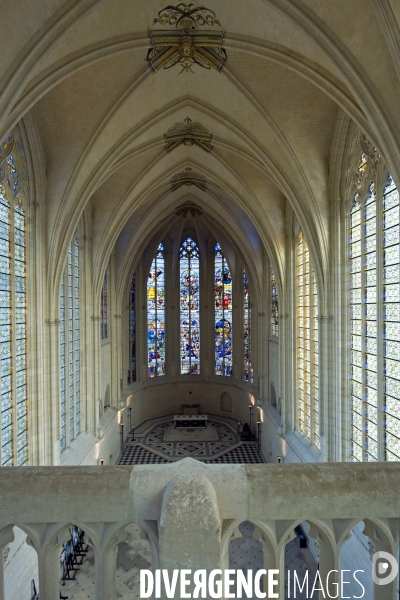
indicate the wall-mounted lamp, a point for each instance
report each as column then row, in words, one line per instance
column 130, row 416
column 122, row 434
column 279, row 458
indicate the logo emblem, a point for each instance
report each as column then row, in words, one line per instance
column 384, row 568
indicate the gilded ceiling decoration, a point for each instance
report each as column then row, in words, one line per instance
column 188, row 35
column 188, row 133
column 188, row 177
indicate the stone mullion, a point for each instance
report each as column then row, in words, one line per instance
column 379, row 326
column 141, row 325
column 342, row 296
column 172, row 304
column 312, row 349
column 12, row 336
column 264, row 316
column 237, row 322
column 363, row 325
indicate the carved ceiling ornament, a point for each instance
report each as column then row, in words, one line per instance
column 189, row 207
column 14, row 180
column 188, row 133
column 188, row 40
column 188, row 177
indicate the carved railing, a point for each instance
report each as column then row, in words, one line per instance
column 189, row 512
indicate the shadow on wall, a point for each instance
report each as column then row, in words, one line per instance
column 273, row 396
column 226, row 402
column 107, row 398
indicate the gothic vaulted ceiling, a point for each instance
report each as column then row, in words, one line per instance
column 263, row 105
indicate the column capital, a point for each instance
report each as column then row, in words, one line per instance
column 54, row 322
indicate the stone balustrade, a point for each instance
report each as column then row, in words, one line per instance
column 189, row 512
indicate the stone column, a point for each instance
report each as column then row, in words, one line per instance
column 49, row 571
column 329, row 560
column 105, row 573
column 6, row 537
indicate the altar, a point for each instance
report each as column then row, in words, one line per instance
column 190, row 421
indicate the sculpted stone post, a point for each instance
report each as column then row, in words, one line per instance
column 49, row 571
column 190, row 525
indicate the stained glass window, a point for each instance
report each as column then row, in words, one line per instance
column 274, row 306
column 13, row 325
column 104, row 308
column 156, row 315
column 307, row 345
column 223, row 314
column 247, row 370
column 190, row 307
column 374, row 323
column 132, row 331
column 391, row 315
column 70, row 400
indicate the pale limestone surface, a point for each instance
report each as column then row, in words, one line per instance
column 191, row 515
column 302, row 82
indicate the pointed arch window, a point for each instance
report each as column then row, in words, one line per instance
column 274, row 306
column 375, row 347
column 13, row 319
column 223, row 314
column 189, row 270
column 70, row 364
column 132, row 331
column 156, row 315
column 247, row 370
column 104, row 307
column 307, row 345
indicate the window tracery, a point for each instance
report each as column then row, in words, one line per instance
column 132, row 331
column 104, row 307
column 274, row 306
column 190, row 307
column 374, row 314
column 156, row 315
column 223, row 314
column 14, row 190
column 307, row 345
column 70, row 365
column 248, row 369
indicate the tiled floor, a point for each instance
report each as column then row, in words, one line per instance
column 153, row 444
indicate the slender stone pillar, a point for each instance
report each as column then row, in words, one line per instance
column 49, row 571
column 105, row 569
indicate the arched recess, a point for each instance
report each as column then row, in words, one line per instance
column 246, row 553
column 134, row 553
column 21, row 568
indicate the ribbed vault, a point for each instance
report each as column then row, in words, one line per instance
column 294, row 68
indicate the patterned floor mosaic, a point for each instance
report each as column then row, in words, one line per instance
column 150, row 447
